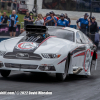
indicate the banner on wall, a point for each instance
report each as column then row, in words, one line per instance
column 50, row 4
column 4, row 30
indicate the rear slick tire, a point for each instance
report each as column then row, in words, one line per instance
column 62, row 76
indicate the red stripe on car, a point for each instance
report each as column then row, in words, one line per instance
column 47, row 39
column 96, row 56
column 81, row 54
column 92, row 53
column 62, row 61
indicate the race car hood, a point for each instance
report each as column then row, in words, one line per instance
column 10, row 43
column 49, row 45
column 55, row 45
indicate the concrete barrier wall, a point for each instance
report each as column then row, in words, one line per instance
column 74, row 15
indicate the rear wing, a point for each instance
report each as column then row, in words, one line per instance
column 36, row 29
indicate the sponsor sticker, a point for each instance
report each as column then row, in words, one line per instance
column 26, row 46
column 63, row 22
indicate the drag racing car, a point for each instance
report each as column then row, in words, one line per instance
column 58, row 50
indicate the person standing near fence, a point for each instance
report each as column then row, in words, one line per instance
column 93, row 26
column 5, row 18
column 2, row 5
column 45, row 19
column 47, row 14
column 32, row 19
column 15, row 4
column 1, row 19
column 62, row 22
column 51, row 20
column 93, row 30
column 56, row 16
column 84, row 22
column 27, row 19
column 12, row 22
column 66, row 17
column 9, row 5
column 39, row 20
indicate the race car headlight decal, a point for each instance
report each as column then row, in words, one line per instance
column 2, row 53
column 49, row 56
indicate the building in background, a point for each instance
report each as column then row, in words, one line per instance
column 74, row 8
column 30, row 4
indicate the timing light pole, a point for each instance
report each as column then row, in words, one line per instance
column 91, row 9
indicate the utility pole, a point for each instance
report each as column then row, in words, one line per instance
column 91, row 9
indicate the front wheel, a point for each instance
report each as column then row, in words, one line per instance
column 5, row 73
column 62, row 76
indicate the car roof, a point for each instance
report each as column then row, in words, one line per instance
column 71, row 29
column 65, row 28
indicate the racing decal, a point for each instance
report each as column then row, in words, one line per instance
column 26, row 46
column 79, row 49
column 62, row 60
column 81, row 54
column 87, row 60
column 47, row 39
column 96, row 56
column 23, row 46
column 63, row 28
column 64, row 23
column 92, row 52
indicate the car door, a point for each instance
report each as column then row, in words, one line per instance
column 88, row 57
column 79, row 53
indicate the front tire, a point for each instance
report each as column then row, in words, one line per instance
column 62, row 76
column 5, row 73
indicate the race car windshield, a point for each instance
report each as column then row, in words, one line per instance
column 60, row 33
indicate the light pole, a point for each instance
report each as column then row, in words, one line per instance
column 91, row 9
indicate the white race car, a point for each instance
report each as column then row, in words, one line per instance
column 57, row 50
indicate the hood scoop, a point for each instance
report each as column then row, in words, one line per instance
column 28, row 44
column 33, row 39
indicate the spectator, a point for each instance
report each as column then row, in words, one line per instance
column 15, row 4
column 9, row 5
column 39, row 20
column 32, row 19
column 27, row 19
column 93, row 28
column 5, row 18
column 62, row 22
column 84, row 22
column 2, row 5
column 46, row 17
column 56, row 16
column 12, row 22
column 51, row 20
column 66, row 17
column 1, row 19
